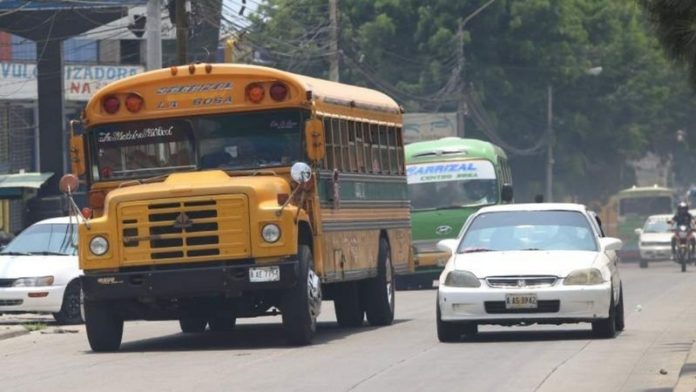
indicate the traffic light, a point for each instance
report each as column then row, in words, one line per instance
column 138, row 25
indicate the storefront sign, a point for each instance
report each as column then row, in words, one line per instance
column 18, row 80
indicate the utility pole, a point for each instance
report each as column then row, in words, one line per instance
column 333, row 44
column 181, row 32
column 153, row 31
column 549, row 144
column 462, row 109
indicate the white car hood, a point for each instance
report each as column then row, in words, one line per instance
column 656, row 237
column 557, row 263
column 12, row 267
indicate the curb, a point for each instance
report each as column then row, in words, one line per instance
column 687, row 375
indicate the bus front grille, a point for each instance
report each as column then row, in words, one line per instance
column 184, row 230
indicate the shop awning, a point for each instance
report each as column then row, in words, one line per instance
column 14, row 185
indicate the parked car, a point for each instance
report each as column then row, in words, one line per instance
column 39, row 271
column 522, row 264
column 655, row 239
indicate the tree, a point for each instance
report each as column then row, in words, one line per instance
column 675, row 25
column 514, row 50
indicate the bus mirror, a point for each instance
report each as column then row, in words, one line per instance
column 506, row 193
column 68, row 183
column 314, row 139
column 301, row 172
column 77, row 154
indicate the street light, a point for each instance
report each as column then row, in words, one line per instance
column 594, row 71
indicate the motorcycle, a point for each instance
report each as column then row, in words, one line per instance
column 684, row 245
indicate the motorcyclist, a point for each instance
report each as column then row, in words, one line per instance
column 682, row 218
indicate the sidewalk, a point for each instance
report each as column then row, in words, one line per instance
column 11, row 331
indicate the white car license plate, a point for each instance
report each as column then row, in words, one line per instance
column 520, row 301
column 264, row 274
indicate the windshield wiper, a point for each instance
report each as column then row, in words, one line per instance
column 475, row 250
column 531, row 249
column 14, row 253
column 47, row 253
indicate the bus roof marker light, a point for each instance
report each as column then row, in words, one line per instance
column 174, row 70
column 208, row 68
column 255, row 92
column 278, row 91
column 192, row 69
column 111, row 104
column 134, row 103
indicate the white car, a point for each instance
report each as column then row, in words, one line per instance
column 39, row 271
column 655, row 239
column 521, row 264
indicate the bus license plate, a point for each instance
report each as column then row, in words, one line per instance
column 264, row 274
column 520, row 301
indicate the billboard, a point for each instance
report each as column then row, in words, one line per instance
column 18, row 80
column 429, row 126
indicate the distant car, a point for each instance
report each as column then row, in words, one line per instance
column 655, row 239
column 39, row 271
column 521, row 264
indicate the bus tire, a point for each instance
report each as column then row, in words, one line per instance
column 192, row 324
column 104, row 326
column 378, row 292
column 301, row 304
column 349, row 311
column 224, row 323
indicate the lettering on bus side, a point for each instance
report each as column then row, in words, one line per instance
column 440, row 169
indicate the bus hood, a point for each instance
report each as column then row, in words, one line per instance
column 209, row 182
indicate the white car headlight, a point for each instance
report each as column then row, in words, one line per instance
column 270, row 233
column 98, row 245
column 583, row 277
column 462, row 279
column 38, row 281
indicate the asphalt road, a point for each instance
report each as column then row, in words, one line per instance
column 648, row 356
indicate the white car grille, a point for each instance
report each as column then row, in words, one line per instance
column 522, row 281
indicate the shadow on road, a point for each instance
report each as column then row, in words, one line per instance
column 529, row 336
column 244, row 336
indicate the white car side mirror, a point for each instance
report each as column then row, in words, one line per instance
column 449, row 245
column 610, row 243
column 638, row 231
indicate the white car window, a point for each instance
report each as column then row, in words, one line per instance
column 46, row 239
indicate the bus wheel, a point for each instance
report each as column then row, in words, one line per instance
column 104, row 327
column 301, row 304
column 379, row 292
column 222, row 323
column 349, row 312
column 192, row 324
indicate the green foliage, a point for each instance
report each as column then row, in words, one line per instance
column 514, row 50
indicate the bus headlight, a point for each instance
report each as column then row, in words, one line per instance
column 98, row 245
column 270, row 233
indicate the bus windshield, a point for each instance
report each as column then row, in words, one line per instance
column 644, row 206
column 452, row 184
column 228, row 142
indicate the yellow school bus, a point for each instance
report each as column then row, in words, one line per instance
column 221, row 191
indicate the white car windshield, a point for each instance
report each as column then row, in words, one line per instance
column 44, row 239
column 528, row 230
column 657, row 225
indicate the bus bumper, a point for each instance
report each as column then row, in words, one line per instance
column 228, row 280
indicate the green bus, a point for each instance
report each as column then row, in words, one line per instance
column 628, row 209
column 448, row 180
